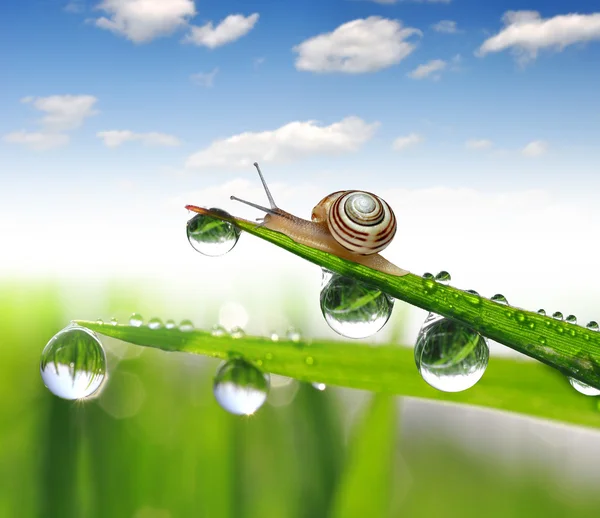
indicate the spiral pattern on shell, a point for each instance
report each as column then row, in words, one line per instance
column 361, row 222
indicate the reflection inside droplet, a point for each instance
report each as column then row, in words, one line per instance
column 240, row 388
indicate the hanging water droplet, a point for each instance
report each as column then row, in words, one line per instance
column 443, row 277
column 237, row 332
column 73, row 363
column 211, row 236
column 572, row 319
column 541, row 312
column 113, row 321
column 557, row 315
column 501, row 299
column 353, row 308
column 136, row 320
column 240, row 388
column 293, row 334
column 449, row 355
column 583, row 388
column 155, row 323
column 218, row 330
column 274, row 336
column 319, row 386
column 170, row 324
column 186, row 326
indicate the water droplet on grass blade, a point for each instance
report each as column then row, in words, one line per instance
column 240, row 388
column 293, row 334
column 237, row 332
column 186, row 326
column 593, row 326
column 218, row 331
column 583, row 388
column 113, row 321
column 557, row 315
column 136, row 320
column 449, row 355
column 541, row 312
column 501, row 299
column 572, row 319
column 443, row 277
column 155, row 323
column 319, row 386
column 73, row 363
column 212, row 236
column 170, row 324
column 353, row 308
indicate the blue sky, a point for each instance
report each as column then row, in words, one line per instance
column 117, row 113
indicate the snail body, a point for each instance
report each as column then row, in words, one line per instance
column 353, row 225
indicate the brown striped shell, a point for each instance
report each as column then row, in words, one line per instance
column 359, row 221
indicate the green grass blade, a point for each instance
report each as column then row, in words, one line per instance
column 366, row 486
column 508, row 383
column 572, row 349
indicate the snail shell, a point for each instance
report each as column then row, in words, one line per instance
column 359, row 221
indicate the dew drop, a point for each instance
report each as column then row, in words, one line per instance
column 583, row 388
column 274, row 336
column 593, row 326
column 541, row 312
column 170, row 324
column 572, row 319
column 218, row 331
column 211, row 236
column 136, row 320
column 155, row 323
column 240, row 388
column 293, row 334
column 309, row 360
column 443, row 277
column 501, row 299
column 73, row 363
column 450, row 356
column 319, row 386
column 268, row 356
column 113, row 321
column 186, row 326
column 428, row 276
column 99, row 321
column 353, row 308
column 237, row 332
column 557, row 315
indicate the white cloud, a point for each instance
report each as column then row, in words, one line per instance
column 359, row 46
column 292, row 141
column 37, row 140
column 478, row 144
column 445, row 26
column 115, row 138
column 63, row 112
column 205, row 79
column 143, row 20
column 411, row 140
column 535, row 148
column 526, row 33
column 428, row 69
column 230, row 29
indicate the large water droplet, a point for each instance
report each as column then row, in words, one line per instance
column 136, row 320
column 572, row 319
column 443, row 277
column 212, row 236
column 155, row 323
column 501, row 299
column 353, row 308
column 240, row 388
column 449, row 355
column 73, row 363
column 583, row 388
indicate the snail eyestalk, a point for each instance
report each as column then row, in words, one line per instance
column 271, row 200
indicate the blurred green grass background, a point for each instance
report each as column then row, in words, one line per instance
column 155, row 444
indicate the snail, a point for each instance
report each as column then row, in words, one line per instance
column 353, row 225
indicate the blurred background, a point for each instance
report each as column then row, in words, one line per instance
column 477, row 123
